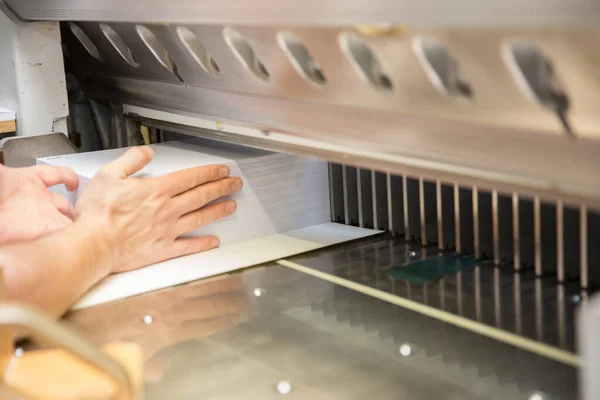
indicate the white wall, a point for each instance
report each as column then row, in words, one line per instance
column 32, row 77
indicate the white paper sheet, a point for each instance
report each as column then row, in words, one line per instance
column 281, row 192
column 283, row 210
column 224, row 259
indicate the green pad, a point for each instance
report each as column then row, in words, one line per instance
column 433, row 268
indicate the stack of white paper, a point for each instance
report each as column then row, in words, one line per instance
column 283, row 210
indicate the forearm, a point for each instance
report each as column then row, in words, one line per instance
column 51, row 273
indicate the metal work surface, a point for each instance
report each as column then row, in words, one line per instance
column 271, row 330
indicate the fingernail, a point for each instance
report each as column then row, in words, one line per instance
column 237, row 185
column 224, row 172
column 231, row 207
column 215, row 242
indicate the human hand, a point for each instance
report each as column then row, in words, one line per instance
column 178, row 314
column 141, row 220
column 28, row 210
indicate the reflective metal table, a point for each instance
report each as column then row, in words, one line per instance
column 273, row 330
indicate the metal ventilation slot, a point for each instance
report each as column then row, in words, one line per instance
column 380, row 206
column 413, row 206
column 364, row 62
column 549, row 243
column 572, row 248
column 441, row 68
column 446, row 217
column 550, row 239
column 465, row 221
column 301, row 59
column 485, row 228
column 336, row 193
column 428, row 208
column 197, row 51
column 366, row 198
column 119, row 45
column 155, row 46
column 85, row 41
column 396, row 204
column 245, row 54
column 351, row 214
column 505, row 229
column 526, row 233
column 535, row 75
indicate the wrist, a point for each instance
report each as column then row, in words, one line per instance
column 96, row 245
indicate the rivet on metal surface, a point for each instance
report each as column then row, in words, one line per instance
column 19, row 352
column 405, row 350
column 284, row 387
column 258, row 292
column 148, row 320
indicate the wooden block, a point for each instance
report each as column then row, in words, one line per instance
column 8, row 126
column 58, row 375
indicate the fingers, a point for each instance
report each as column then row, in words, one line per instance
column 187, row 246
column 187, row 179
column 63, row 205
column 205, row 216
column 129, row 163
column 203, row 195
column 51, row 176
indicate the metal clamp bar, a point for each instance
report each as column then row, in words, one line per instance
column 405, row 206
column 422, row 211
column 537, row 229
column 495, row 227
column 476, row 223
column 361, row 217
column 440, row 217
column 457, row 219
column 516, row 233
column 583, row 246
column 374, row 197
column 391, row 226
column 345, row 191
column 560, row 243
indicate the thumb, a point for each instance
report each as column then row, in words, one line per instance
column 129, row 163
